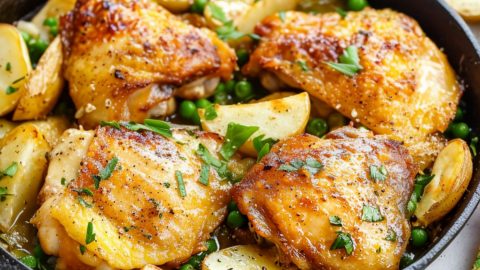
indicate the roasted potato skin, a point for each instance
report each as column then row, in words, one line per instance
column 469, row 9
column 453, row 171
column 43, row 86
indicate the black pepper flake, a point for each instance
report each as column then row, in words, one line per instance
column 119, row 75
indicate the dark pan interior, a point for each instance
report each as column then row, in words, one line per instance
column 448, row 31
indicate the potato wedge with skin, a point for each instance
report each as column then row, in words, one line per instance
column 453, row 171
column 43, row 86
column 52, row 128
column 247, row 257
column 261, row 9
column 5, row 127
column 469, row 9
column 276, row 119
column 14, row 65
column 26, row 146
column 55, row 9
column 175, row 5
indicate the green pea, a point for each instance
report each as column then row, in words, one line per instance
column 419, row 237
column 26, row 36
column 242, row 57
column 187, row 109
column 36, row 47
column 336, row 120
column 230, row 86
column 51, row 21
column 203, row 103
column 460, row 130
column 198, row 6
column 211, row 245
column 357, row 5
column 220, row 98
column 317, row 127
column 220, row 87
column 196, row 260
column 196, row 118
column 243, row 89
column 54, row 31
column 236, row 220
column 232, row 206
column 187, row 267
column 459, row 115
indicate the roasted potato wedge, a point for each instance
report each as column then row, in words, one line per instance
column 277, row 119
column 469, row 9
column 43, row 86
column 276, row 95
column 233, row 9
column 14, row 66
column 52, row 128
column 53, row 8
column 175, row 5
column 246, row 257
column 5, row 127
column 261, row 9
column 453, row 171
column 26, row 147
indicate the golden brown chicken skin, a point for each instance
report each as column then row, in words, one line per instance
column 406, row 89
column 295, row 208
column 138, row 211
column 125, row 59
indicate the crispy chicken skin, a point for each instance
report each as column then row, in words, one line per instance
column 125, row 57
column 406, row 90
column 294, row 207
column 138, row 213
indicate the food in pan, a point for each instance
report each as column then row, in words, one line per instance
column 141, row 134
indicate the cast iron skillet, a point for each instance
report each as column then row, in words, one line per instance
column 448, row 31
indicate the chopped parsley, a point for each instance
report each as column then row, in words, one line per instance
column 154, row 125
column 181, row 184
column 106, row 172
column 236, row 136
column 84, row 191
column 10, row 90
column 335, row 221
column 227, row 31
column 282, row 15
column 83, row 202
column 8, row 67
column 82, row 249
column 303, row 65
column 391, row 235
column 421, row 181
column 378, row 173
column 11, row 170
column 341, row 12
column 473, row 145
column 349, row 62
column 29, row 261
column 263, row 146
column 204, row 172
column 166, row 184
column 90, row 236
column 343, row 240
column 371, row 214
column 110, row 124
column 209, row 159
column 4, row 193
column 217, row 12
column 63, row 181
column 312, row 165
column 293, row 166
column 210, row 113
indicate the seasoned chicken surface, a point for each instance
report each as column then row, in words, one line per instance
column 299, row 199
column 139, row 213
column 406, row 89
column 125, row 59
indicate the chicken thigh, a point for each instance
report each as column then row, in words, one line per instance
column 137, row 195
column 406, row 88
column 124, row 60
column 333, row 203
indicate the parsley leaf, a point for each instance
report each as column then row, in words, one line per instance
column 8, row 67
column 81, row 191
column 312, row 165
column 217, row 12
column 293, row 166
column 263, row 151
column 11, row 170
column 236, row 136
column 391, row 235
column 303, row 65
column 90, row 236
column 335, row 221
column 4, row 193
column 84, row 203
column 181, row 184
column 29, row 261
column 371, row 214
column 473, row 146
column 263, row 146
column 82, row 249
column 10, row 90
column 106, row 172
column 421, row 181
column 154, row 125
column 228, row 31
column 110, row 124
column 378, row 173
column 209, row 159
column 349, row 62
column 343, row 240
column 341, row 12
column 210, row 113
column 204, row 173
column 63, row 181
column 282, row 16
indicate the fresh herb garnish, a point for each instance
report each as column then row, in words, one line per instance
column 263, row 146
column 220, row 166
column 421, row 181
column 473, row 145
column 293, row 166
column 63, row 181
column 204, row 173
column 166, row 184
column 83, row 202
column 303, row 65
column 236, row 136
column 90, row 236
column 378, row 173
column 8, row 67
column 371, row 214
column 154, row 125
column 210, row 113
column 82, row 249
column 263, row 151
column 343, row 240
column 217, row 12
column 110, row 124
column 335, row 221
column 10, row 90
column 391, row 235
column 181, row 184
column 4, row 193
column 11, row 170
column 228, row 31
column 342, row 12
column 282, row 15
column 81, row 191
column 18, row 80
column 349, row 62
column 106, row 172
column 312, row 165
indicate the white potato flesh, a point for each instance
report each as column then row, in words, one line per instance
column 26, row 146
column 52, row 9
column 175, row 5
column 261, row 9
column 453, row 171
column 43, row 86
column 14, row 65
column 276, row 119
column 5, row 127
column 52, row 128
column 233, row 9
column 469, row 9
column 246, row 257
